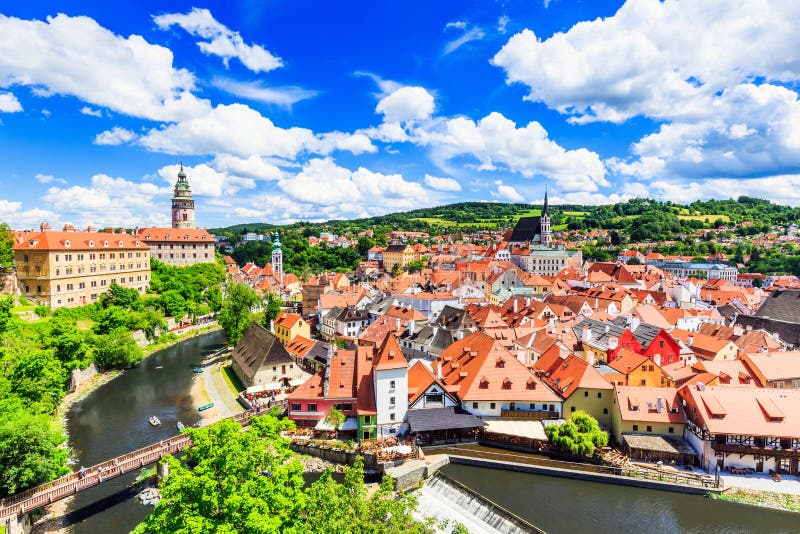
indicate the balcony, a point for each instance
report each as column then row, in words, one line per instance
column 531, row 415
column 755, row 450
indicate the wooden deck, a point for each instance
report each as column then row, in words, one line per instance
column 72, row 483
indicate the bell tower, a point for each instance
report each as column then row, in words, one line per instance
column 277, row 259
column 544, row 222
column 182, row 203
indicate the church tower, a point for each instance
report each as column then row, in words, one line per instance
column 277, row 259
column 182, row 203
column 544, row 222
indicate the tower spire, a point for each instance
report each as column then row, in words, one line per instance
column 545, row 208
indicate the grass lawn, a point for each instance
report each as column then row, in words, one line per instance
column 85, row 324
column 23, row 309
column 576, row 213
column 232, row 380
column 702, row 218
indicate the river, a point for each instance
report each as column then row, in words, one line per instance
column 113, row 420
column 560, row 505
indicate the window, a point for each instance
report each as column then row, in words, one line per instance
column 391, row 401
column 391, row 417
column 671, row 430
column 649, row 428
column 532, row 406
column 599, row 394
column 572, row 409
column 295, row 406
column 312, row 406
column 492, row 406
column 635, row 428
column 391, row 385
column 585, row 393
column 474, row 405
column 605, row 411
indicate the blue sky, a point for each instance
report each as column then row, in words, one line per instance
column 284, row 111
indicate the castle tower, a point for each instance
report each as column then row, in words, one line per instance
column 547, row 237
column 277, row 259
column 182, row 203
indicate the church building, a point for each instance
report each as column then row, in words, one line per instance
column 183, row 244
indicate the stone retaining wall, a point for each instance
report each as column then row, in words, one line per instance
column 337, row 456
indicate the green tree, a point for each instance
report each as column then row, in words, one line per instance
column 110, row 319
column 6, row 248
column 580, row 435
column 121, row 296
column 117, row 349
column 174, row 303
column 236, row 314
column 31, row 451
column 758, row 282
column 213, row 296
column 6, row 304
column 272, row 308
column 231, row 481
column 335, row 418
column 416, row 265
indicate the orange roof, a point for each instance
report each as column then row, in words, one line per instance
column 341, row 375
column 299, row 346
column 53, row 240
column 565, row 375
column 483, row 370
column 775, row 365
column 365, row 387
column 749, row 412
column 181, row 235
column 626, row 359
column 390, row 356
column 310, row 389
column 287, row 319
column 656, row 405
column 420, row 378
column 406, row 313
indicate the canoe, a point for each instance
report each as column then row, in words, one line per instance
column 197, row 370
column 205, row 407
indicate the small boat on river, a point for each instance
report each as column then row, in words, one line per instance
column 155, row 421
column 180, row 426
column 205, row 407
column 198, row 370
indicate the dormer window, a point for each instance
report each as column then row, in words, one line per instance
column 91, row 244
column 186, row 236
column 66, row 243
column 105, row 243
column 121, row 244
column 484, row 384
column 147, row 236
column 531, row 384
column 166, row 236
column 500, row 363
column 506, row 383
column 203, row 237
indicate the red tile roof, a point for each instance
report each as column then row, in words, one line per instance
column 53, row 240
column 178, row 235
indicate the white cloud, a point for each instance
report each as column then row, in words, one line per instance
column 473, row 34
column 253, row 167
column 49, row 178
column 220, row 40
column 9, row 103
column 206, row 181
column 496, row 141
column 458, row 24
column 665, row 60
column 502, row 23
column 86, row 110
column 115, row 136
column 406, row 104
column 285, row 96
column 342, row 192
column 782, row 189
column 724, row 144
column 19, row 219
column 507, row 192
column 442, row 184
column 109, row 201
column 76, row 56
column 241, row 131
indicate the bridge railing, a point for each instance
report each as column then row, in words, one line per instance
column 72, row 483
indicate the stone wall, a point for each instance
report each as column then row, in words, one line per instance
column 337, row 456
column 8, row 283
column 79, row 376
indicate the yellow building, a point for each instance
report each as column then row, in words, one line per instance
column 290, row 325
column 71, row 268
column 400, row 255
column 579, row 384
column 639, row 370
column 641, row 410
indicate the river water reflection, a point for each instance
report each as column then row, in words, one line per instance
column 560, row 505
column 114, row 420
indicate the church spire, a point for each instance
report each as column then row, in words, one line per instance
column 545, row 208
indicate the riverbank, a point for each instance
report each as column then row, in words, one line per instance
column 765, row 499
column 211, row 386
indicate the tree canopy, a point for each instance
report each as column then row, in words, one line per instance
column 236, row 314
column 580, row 435
column 231, row 481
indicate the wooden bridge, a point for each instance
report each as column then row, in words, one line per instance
column 70, row 484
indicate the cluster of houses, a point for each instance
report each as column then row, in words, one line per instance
column 676, row 368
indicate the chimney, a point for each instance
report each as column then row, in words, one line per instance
column 590, row 358
column 690, row 340
column 397, row 323
column 411, row 325
column 515, row 305
column 613, row 342
column 586, row 335
column 439, row 369
column 657, row 359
